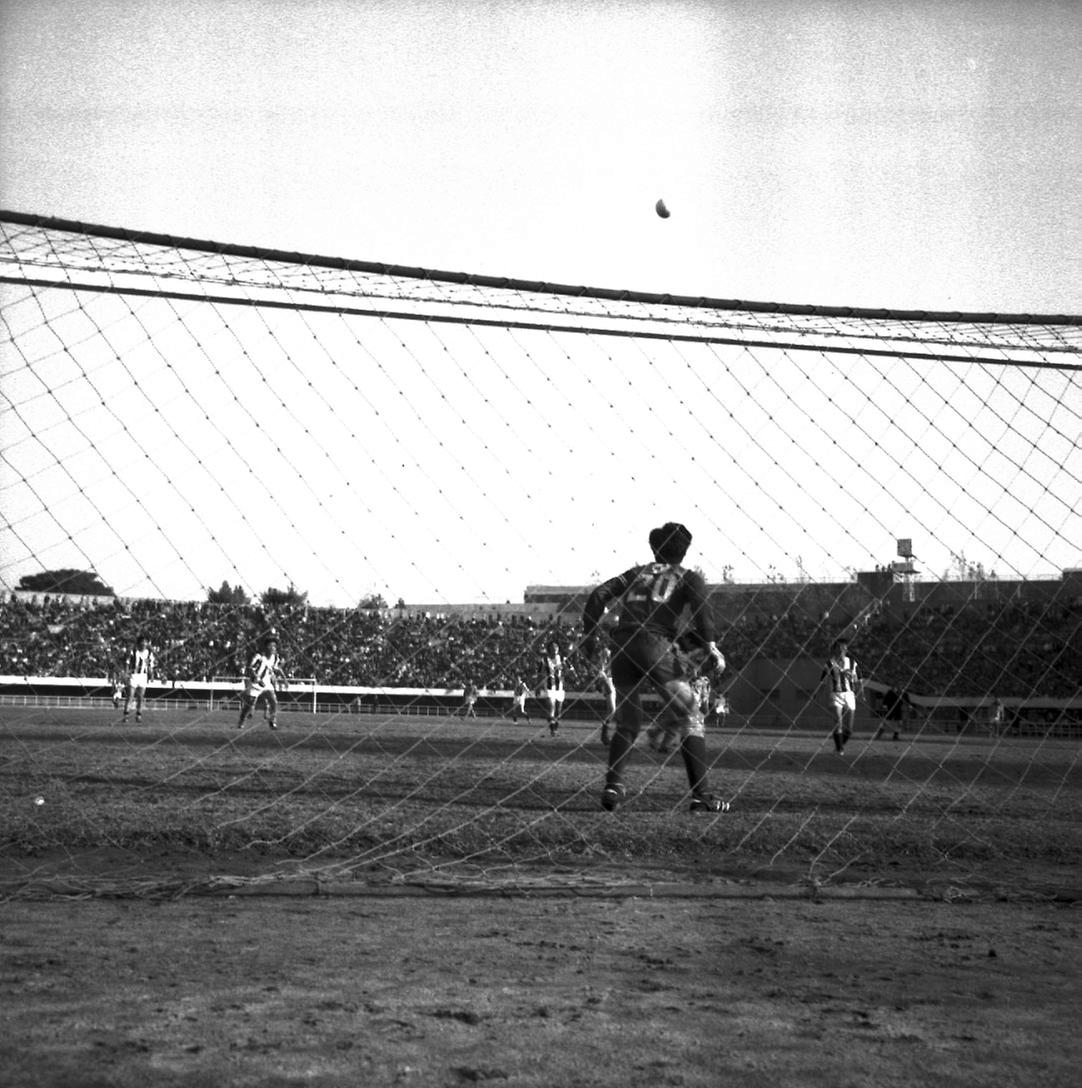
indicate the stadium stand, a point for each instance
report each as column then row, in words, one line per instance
column 1019, row 648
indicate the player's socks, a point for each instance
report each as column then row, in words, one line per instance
column 620, row 749
column 693, row 749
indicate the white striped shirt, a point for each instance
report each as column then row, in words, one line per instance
column 842, row 673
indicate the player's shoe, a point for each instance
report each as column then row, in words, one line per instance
column 613, row 796
column 707, row 802
column 272, row 724
column 138, row 717
column 554, row 727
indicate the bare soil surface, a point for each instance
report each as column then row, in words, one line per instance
column 428, row 989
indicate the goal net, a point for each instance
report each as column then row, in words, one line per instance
column 411, row 480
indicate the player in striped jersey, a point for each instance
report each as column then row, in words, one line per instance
column 138, row 665
column 264, row 674
column 651, row 600
column 552, row 683
column 841, row 678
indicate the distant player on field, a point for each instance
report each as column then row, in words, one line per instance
column 519, row 694
column 469, row 700
column 697, row 666
column 607, row 687
column 264, row 674
column 652, row 599
column 841, row 678
column 117, row 678
column 138, row 666
column 719, row 709
column 896, row 706
column 551, row 685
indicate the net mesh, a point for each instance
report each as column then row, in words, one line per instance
column 411, row 479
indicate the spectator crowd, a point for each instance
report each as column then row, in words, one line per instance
column 1018, row 649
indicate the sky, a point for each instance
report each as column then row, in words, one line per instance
column 916, row 155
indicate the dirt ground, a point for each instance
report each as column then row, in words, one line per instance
column 695, row 990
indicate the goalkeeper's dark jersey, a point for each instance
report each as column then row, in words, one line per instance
column 652, row 598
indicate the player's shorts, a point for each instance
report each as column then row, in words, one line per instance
column 137, row 680
column 253, row 690
column 555, row 695
column 843, row 700
column 645, row 655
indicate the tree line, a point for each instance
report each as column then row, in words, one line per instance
column 86, row 583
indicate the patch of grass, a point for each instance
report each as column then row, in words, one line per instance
column 408, row 793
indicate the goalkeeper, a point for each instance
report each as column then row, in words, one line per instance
column 651, row 600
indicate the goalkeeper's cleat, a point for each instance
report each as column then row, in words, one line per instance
column 707, row 802
column 613, row 796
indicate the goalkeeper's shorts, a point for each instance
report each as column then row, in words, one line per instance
column 645, row 655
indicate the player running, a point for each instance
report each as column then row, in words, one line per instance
column 519, row 695
column 651, row 600
column 264, row 674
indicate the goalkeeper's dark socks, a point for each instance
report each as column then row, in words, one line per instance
column 693, row 749
column 620, row 749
